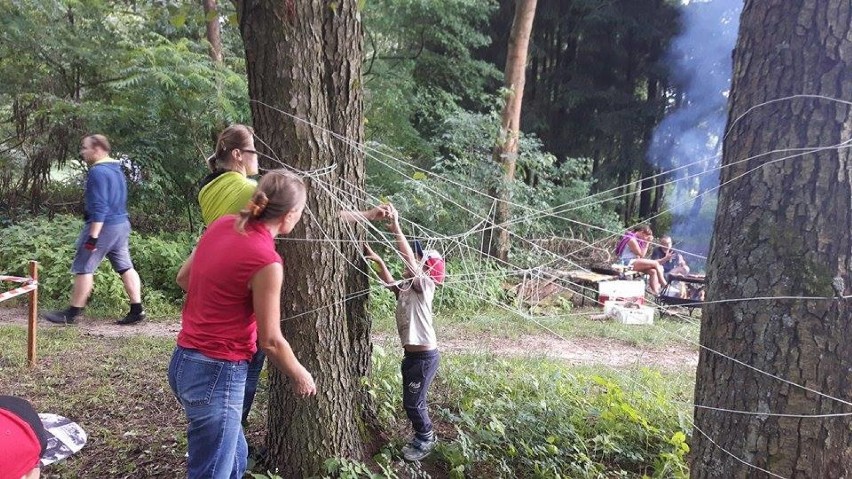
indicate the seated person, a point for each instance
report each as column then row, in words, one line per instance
column 631, row 251
column 675, row 264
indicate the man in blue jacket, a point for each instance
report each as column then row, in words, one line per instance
column 105, row 234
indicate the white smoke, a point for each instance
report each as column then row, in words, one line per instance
column 691, row 134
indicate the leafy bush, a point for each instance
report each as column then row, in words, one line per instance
column 468, row 283
column 51, row 243
column 551, row 198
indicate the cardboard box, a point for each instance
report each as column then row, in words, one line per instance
column 620, row 289
column 629, row 313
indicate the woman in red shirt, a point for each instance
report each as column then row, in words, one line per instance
column 233, row 281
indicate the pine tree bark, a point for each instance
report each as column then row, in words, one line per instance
column 782, row 230
column 506, row 152
column 305, row 59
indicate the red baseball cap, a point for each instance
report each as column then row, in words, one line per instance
column 434, row 266
column 23, row 438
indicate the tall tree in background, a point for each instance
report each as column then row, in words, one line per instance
column 141, row 74
column 506, row 151
column 782, row 230
column 419, row 70
column 214, row 37
column 596, row 86
column 305, row 58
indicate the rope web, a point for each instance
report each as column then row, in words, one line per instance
column 540, row 262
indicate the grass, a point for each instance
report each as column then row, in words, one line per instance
column 116, row 388
column 573, row 323
column 485, row 406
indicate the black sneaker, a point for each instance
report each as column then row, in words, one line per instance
column 60, row 317
column 131, row 319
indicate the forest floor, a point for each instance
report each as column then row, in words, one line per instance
column 111, row 379
column 586, row 351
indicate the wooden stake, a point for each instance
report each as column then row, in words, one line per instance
column 31, row 328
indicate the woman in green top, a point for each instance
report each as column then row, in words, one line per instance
column 227, row 188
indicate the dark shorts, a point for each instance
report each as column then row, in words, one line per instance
column 113, row 243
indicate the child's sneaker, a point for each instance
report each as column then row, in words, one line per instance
column 417, row 449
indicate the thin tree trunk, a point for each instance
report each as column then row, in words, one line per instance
column 506, row 152
column 305, row 58
column 782, row 231
column 214, row 37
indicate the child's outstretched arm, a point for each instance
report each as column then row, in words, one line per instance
column 384, row 273
column 373, row 214
column 402, row 243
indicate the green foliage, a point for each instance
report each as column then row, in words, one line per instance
column 160, row 257
column 51, row 243
column 74, row 67
column 420, row 68
column 337, row 468
column 456, row 295
column 549, row 199
column 534, row 418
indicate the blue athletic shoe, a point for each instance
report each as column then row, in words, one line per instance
column 417, row 449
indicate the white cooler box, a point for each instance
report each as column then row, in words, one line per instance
column 633, row 290
column 629, row 312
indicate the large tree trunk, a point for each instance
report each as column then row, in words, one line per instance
column 305, row 58
column 506, row 152
column 782, row 230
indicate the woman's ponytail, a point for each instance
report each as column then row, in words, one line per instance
column 278, row 193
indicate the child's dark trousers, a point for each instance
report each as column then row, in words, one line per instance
column 418, row 371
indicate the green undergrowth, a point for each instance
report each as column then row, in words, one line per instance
column 157, row 258
column 538, row 418
column 495, row 417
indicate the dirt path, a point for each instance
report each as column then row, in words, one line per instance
column 577, row 351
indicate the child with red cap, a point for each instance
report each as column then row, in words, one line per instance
column 29, row 440
column 414, row 294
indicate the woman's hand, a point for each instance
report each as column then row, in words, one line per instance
column 303, row 382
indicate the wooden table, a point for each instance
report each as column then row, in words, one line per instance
column 587, row 282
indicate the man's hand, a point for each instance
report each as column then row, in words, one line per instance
column 91, row 243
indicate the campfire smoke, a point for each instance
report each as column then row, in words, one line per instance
column 688, row 141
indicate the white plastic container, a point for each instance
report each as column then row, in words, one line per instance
column 629, row 313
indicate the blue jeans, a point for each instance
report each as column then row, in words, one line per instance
column 254, row 369
column 211, row 393
column 418, row 371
